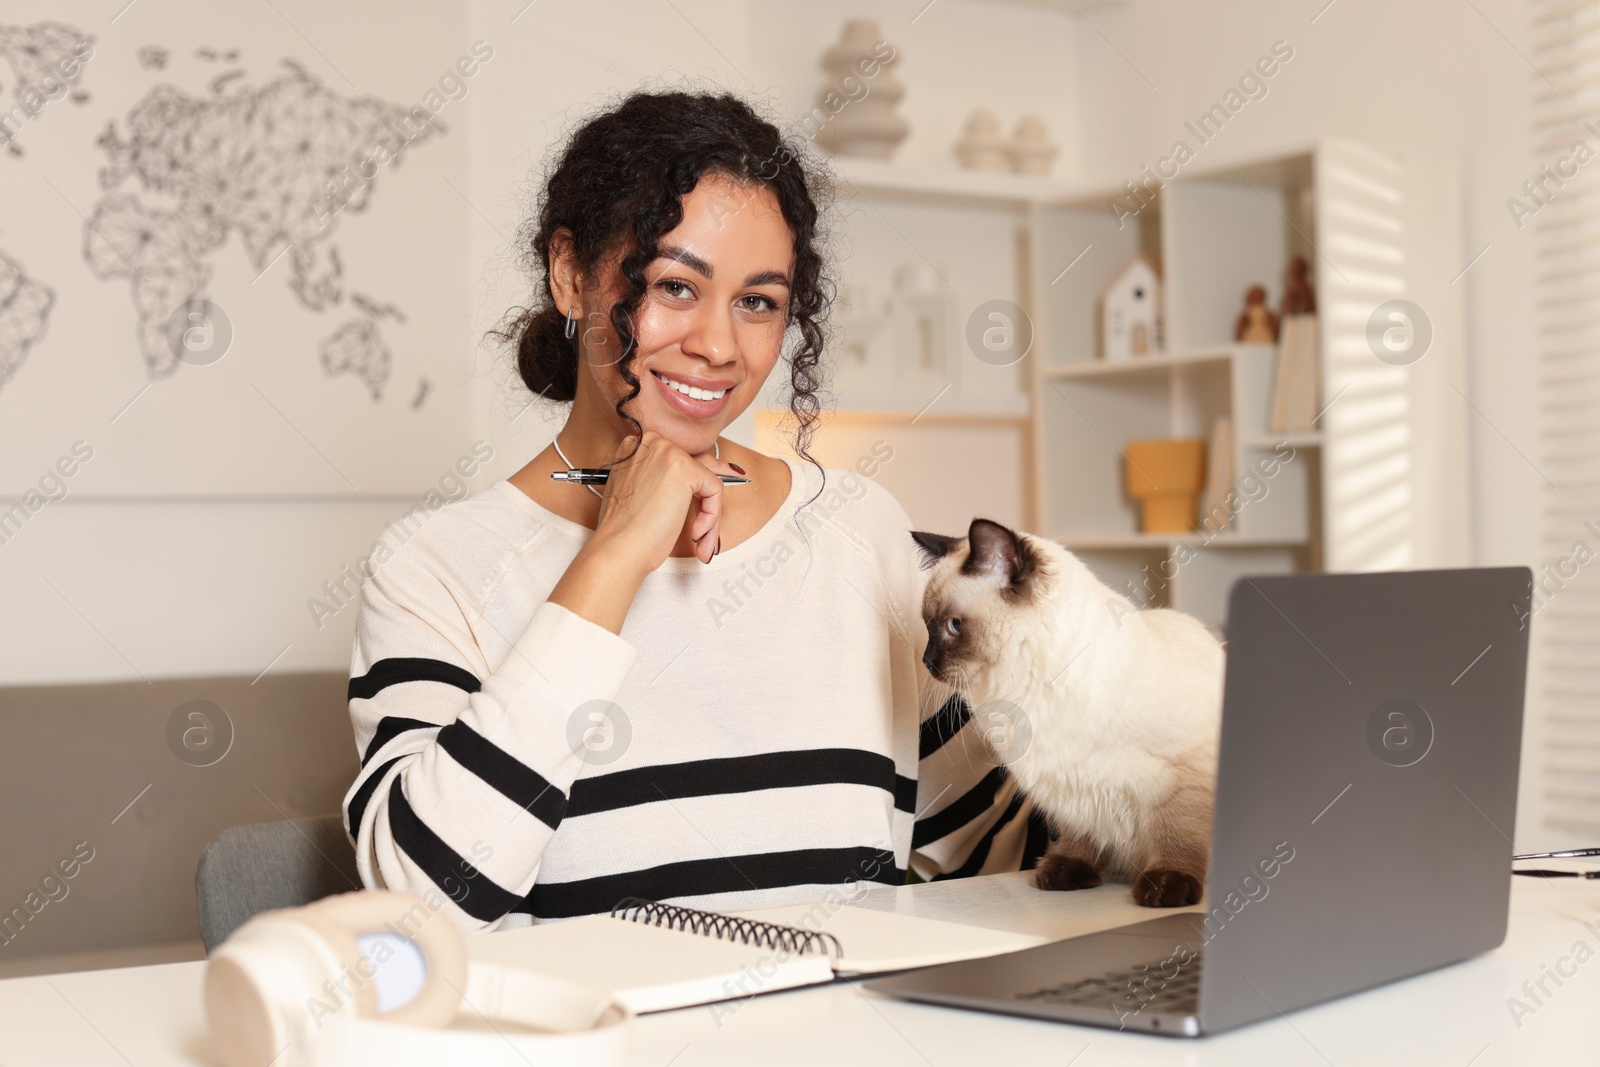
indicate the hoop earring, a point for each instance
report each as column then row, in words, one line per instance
column 572, row 324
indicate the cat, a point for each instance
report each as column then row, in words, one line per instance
column 1117, row 711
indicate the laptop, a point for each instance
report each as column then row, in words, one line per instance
column 1367, row 788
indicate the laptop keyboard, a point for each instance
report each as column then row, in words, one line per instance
column 1140, row 988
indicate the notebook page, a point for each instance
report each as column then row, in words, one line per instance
column 878, row 941
column 649, row 968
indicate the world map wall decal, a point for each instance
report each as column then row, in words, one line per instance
column 45, row 64
column 276, row 166
column 237, row 258
column 24, row 309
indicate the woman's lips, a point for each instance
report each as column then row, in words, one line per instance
column 695, row 409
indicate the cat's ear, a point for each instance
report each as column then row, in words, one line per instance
column 933, row 547
column 997, row 552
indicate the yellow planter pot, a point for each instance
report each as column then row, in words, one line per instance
column 1166, row 477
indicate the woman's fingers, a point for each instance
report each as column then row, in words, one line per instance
column 705, row 528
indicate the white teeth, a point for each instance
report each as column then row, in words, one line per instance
column 691, row 391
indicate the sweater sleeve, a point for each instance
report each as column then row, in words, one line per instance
column 465, row 770
column 971, row 817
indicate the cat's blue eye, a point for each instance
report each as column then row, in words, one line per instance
column 953, row 625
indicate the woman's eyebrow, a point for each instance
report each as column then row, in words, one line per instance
column 701, row 267
column 686, row 257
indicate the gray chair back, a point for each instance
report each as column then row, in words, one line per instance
column 250, row 869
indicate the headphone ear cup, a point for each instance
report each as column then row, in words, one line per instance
column 257, row 984
column 245, row 1024
column 267, row 983
column 340, row 919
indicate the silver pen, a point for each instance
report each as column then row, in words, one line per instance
column 598, row 475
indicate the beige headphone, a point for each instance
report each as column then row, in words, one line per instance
column 378, row 977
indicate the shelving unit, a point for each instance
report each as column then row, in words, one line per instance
column 1372, row 226
column 971, row 435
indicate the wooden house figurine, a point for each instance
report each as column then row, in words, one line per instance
column 1130, row 311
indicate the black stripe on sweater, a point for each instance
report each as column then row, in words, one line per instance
column 980, row 851
column 389, row 728
column 905, row 794
column 521, row 784
column 731, row 874
column 739, row 774
column 942, row 725
column 969, row 806
column 463, row 883
column 363, row 797
column 387, row 672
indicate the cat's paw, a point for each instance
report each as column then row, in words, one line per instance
column 1056, row 871
column 1164, row 888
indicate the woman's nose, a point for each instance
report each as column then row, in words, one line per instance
column 712, row 335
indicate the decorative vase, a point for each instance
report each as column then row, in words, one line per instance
column 865, row 126
column 924, row 313
column 1031, row 149
column 982, row 147
column 1166, row 477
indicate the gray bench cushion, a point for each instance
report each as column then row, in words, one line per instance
column 93, row 764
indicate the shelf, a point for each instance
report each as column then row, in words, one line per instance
column 865, row 176
column 1168, row 541
column 891, row 407
column 1144, row 364
column 1293, row 438
column 1003, row 188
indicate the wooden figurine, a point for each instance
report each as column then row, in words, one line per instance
column 1298, row 298
column 1257, row 324
column 1130, row 311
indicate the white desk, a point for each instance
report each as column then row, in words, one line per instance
column 152, row 1016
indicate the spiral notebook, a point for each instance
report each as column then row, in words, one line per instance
column 654, row 957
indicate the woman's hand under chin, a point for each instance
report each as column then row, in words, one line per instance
column 642, row 518
column 648, row 495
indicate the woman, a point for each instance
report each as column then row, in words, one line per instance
column 672, row 688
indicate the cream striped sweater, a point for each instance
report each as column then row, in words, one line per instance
column 759, row 732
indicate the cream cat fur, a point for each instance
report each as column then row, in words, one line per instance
column 1120, row 709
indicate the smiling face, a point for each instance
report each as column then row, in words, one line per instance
column 710, row 326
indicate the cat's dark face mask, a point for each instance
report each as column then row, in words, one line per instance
column 990, row 570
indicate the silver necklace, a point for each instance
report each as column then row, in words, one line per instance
column 716, row 450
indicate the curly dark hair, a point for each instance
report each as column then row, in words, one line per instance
column 618, row 185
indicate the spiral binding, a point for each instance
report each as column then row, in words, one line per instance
column 788, row 940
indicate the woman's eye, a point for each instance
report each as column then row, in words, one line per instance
column 757, row 302
column 953, row 625
column 675, row 287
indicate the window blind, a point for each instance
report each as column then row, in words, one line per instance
column 1562, row 206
